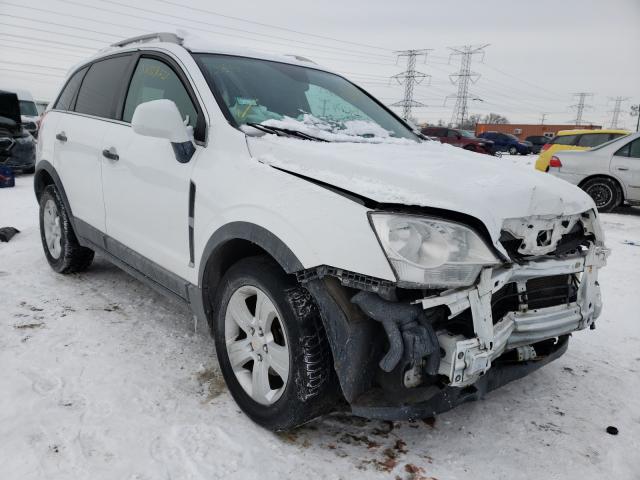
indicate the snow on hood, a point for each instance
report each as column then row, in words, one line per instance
column 427, row 174
column 357, row 131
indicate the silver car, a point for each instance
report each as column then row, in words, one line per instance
column 610, row 173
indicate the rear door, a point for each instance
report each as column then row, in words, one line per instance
column 146, row 190
column 625, row 165
column 79, row 133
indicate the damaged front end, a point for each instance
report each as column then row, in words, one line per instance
column 463, row 318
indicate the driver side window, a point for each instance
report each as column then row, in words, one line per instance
column 155, row 80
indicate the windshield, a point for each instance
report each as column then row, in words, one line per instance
column 467, row 133
column 296, row 98
column 28, row 108
column 512, row 137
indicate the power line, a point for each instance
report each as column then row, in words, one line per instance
column 410, row 77
column 42, row 74
column 463, row 78
column 41, row 51
column 103, row 42
column 580, row 106
column 32, row 65
column 615, row 114
column 208, row 31
column 71, row 27
column 273, row 26
column 30, row 41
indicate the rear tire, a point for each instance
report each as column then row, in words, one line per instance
column 60, row 244
column 280, row 371
column 605, row 192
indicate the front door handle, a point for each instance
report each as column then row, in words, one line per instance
column 110, row 153
column 623, row 169
column 61, row 137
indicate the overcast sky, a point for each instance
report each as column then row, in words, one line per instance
column 539, row 53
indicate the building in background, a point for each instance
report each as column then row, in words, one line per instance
column 523, row 130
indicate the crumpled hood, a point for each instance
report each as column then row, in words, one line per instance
column 429, row 174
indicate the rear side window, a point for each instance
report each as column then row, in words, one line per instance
column 565, row 140
column 69, row 91
column 101, row 85
column 155, row 80
column 593, row 139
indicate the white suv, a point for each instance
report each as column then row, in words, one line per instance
column 334, row 252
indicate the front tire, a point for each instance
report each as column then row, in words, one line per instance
column 513, row 151
column 271, row 346
column 60, row 244
column 606, row 193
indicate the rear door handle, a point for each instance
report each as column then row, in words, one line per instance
column 624, row 169
column 61, row 136
column 110, row 153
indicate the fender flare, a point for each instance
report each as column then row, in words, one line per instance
column 255, row 234
column 45, row 166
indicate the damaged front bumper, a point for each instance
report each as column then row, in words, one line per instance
column 515, row 319
column 466, row 359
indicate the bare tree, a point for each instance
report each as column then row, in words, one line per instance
column 495, row 118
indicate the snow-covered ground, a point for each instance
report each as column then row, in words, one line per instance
column 101, row 378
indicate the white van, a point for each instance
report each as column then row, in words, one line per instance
column 338, row 256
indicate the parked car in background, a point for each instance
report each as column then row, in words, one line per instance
column 537, row 142
column 17, row 146
column 575, row 140
column 505, row 142
column 610, row 173
column 459, row 138
column 337, row 258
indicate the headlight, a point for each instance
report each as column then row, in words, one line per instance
column 431, row 253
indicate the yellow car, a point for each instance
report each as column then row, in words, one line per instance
column 575, row 140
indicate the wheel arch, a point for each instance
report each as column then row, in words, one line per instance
column 46, row 175
column 233, row 242
column 604, row 175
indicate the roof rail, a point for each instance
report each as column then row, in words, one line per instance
column 300, row 58
column 150, row 37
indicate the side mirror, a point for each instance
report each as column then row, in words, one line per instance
column 161, row 119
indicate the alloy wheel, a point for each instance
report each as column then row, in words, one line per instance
column 257, row 345
column 52, row 230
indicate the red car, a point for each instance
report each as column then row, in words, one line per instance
column 460, row 138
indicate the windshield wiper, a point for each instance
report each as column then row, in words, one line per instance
column 286, row 131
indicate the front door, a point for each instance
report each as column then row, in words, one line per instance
column 625, row 165
column 146, row 191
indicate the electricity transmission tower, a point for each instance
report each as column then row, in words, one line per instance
column 635, row 112
column 615, row 113
column 410, row 78
column 543, row 117
column 580, row 106
column 463, row 78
